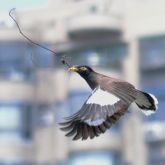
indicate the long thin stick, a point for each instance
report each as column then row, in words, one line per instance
column 63, row 59
column 26, row 36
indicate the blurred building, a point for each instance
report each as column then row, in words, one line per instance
column 125, row 39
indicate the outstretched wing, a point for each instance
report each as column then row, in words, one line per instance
column 99, row 112
column 121, row 89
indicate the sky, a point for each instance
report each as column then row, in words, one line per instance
column 6, row 5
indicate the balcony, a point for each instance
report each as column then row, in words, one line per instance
column 93, row 25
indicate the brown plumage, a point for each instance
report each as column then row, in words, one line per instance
column 109, row 100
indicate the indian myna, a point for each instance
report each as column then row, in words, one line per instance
column 108, row 101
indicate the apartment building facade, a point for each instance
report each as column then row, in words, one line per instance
column 114, row 38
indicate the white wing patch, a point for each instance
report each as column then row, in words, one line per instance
column 148, row 112
column 102, row 98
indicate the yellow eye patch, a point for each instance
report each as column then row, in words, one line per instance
column 83, row 68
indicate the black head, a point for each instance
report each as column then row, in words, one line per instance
column 87, row 73
column 82, row 70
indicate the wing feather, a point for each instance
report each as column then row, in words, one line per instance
column 103, row 108
column 124, row 90
column 94, row 119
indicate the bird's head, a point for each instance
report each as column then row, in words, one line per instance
column 87, row 73
column 82, row 70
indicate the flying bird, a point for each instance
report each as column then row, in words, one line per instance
column 109, row 100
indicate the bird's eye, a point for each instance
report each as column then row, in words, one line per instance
column 83, row 68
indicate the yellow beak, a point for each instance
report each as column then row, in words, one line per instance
column 73, row 69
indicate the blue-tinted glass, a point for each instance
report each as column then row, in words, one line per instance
column 61, row 163
column 45, row 115
column 152, row 53
column 42, row 57
column 62, row 110
column 153, row 79
column 15, row 121
column 16, row 60
column 11, row 136
column 13, row 60
column 156, row 153
column 92, row 158
column 10, row 117
column 110, row 56
column 76, row 99
column 152, row 60
column 12, row 54
column 15, row 161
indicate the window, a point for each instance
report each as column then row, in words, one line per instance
column 42, row 57
column 16, row 62
column 108, row 56
column 71, row 104
column 44, row 115
column 156, row 153
column 152, row 80
column 11, row 114
column 15, row 122
column 13, row 60
column 62, row 110
column 61, row 163
column 11, row 161
column 152, row 67
column 92, row 158
column 76, row 99
column 152, row 52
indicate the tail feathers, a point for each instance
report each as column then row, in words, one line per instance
column 146, row 102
